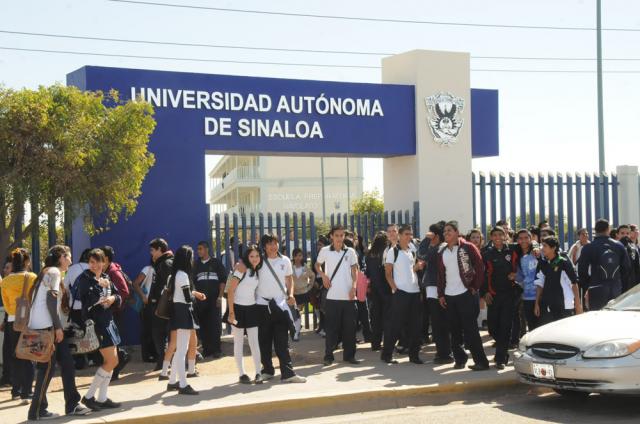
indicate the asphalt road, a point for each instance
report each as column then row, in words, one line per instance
column 513, row 406
column 520, row 406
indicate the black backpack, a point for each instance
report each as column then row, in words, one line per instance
column 608, row 263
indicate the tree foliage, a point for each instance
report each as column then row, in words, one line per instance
column 62, row 146
column 371, row 201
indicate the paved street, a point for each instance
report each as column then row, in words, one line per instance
column 514, row 406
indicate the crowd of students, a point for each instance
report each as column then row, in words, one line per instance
column 401, row 291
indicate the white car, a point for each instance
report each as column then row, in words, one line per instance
column 595, row 352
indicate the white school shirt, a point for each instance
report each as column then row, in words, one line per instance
column 149, row 274
column 40, row 317
column 342, row 282
column 268, row 287
column 245, row 293
column 182, row 280
column 454, row 286
column 403, row 274
column 70, row 278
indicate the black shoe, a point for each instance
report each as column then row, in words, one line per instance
column 402, row 350
column 327, row 362
column 200, row 357
column 479, row 367
column 376, row 348
column 194, row 375
column 353, row 361
column 459, row 365
column 216, row 355
column 43, row 416
column 500, row 366
column 158, row 367
column 115, row 376
column 163, row 378
column 388, row 360
column 416, row 361
column 442, row 361
column 173, row 387
column 187, row 390
column 244, row 379
column 91, row 403
column 109, row 404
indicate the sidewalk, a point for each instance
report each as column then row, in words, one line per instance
column 371, row 383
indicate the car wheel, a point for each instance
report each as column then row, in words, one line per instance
column 574, row 394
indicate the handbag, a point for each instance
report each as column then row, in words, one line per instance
column 23, row 308
column 165, row 302
column 81, row 338
column 35, row 345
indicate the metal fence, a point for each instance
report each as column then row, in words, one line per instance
column 567, row 201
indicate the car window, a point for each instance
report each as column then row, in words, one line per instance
column 629, row 301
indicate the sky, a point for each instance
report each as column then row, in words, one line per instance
column 548, row 121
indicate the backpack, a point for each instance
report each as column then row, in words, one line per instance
column 608, row 263
column 396, row 252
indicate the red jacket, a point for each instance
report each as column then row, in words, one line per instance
column 470, row 264
column 117, row 278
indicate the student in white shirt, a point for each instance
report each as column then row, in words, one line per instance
column 244, row 313
column 339, row 278
column 273, row 332
column 47, row 313
column 406, row 308
column 142, row 287
column 182, row 317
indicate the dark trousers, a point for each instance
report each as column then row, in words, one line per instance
column 532, row 320
column 500, row 314
column 273, row 334
column 551, row 312
column 406, row 314
column 147, row 347
column 44, row 373
column 340, row 322
column 7, row 357
column 462, row 311
column 426, row 318
column 518, row 328
column 363, row 320
column 159, row 332
column 380, row 313
column 600, row 295
column 210, row 322
column 439, row 328
column 81, row 361
column 22, row 371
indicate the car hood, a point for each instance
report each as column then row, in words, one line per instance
column 585, row 330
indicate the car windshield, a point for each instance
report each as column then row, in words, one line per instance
column 629, row 301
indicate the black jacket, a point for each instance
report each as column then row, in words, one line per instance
column 89, row 293
column 162, row 268
column 208, row 276
column 634, row 259
column 591, row 257
column 429, row 254
column 499, row 263
column 374, row 270
column 552, row 292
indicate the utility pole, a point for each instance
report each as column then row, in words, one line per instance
column 348, row 188
column 601, row 158
column 324, row 207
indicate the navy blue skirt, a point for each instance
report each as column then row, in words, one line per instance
column 182, row 317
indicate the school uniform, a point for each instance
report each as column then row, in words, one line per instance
column 526, row 277
column 556, row 278
column 273, row 332
column 406, row 306
column 90, row 293
column 340, row 311
column 208, row 276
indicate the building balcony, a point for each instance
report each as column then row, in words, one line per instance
column 243, row 176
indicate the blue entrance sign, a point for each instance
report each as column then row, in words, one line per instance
column 198, row 113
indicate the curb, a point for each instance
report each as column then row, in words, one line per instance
column 394, row 396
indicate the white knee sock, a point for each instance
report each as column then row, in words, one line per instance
column 238, row 347
column 165, row 368
column 98, row 379
column 102, row 391
column 254, row 344
column 298, row 325
column 192, row 366
column 178, row 371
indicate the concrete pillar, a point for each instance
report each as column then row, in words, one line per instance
column 438, row 176
column 628, row 194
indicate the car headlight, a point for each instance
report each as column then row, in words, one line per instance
column 522, row 346
column 612, row 349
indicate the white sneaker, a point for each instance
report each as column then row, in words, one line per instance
column 295, row 379
column 266, row 376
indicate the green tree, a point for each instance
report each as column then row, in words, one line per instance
column 371, row 201
column 60, row 147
